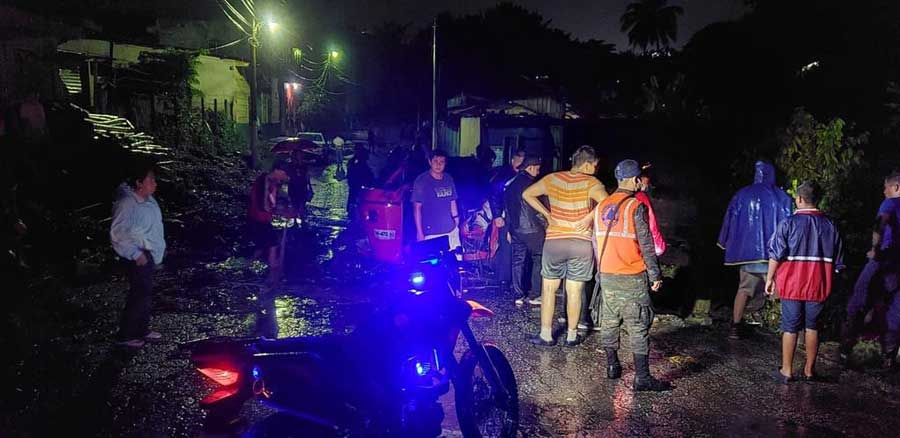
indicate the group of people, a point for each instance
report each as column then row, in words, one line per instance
column 570, row 227
column 563, row 238
column 790, row 248
column 590, row 229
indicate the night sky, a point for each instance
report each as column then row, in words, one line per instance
column 584, row 19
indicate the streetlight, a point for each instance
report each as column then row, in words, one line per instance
column 334, row 55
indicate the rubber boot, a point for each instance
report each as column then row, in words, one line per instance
column 643, row 381
column 613, row 367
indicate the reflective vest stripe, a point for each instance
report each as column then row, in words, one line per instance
column 622, row 255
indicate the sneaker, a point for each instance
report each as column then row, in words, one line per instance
column 153, row 336
column 595, row 328
column 535, row 301
column 520, row 302
column 734, row 331
column 583, row 326
column 131, row 343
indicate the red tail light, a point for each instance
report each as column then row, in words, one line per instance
column 220, row 376
column 218, row 396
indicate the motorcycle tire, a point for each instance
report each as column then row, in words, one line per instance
column 472, row 392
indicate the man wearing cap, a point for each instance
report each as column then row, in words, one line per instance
column 626, row 260
column 567, row 252
column 526, row 230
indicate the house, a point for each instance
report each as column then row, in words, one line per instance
column 88, row 66
column 534, row 123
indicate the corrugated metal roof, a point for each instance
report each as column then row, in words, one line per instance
column 71, row 79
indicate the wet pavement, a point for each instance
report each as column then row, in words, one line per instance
column 722, row 387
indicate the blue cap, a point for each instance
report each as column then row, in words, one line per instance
column 627, row 169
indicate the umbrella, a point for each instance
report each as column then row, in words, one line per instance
column 294, row 144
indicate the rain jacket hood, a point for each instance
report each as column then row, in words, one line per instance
column 752, row 216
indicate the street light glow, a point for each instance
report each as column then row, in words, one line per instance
column 273, row 26
column 334, row 55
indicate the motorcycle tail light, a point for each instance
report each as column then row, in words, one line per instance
column 219, row 396
column 221, row 376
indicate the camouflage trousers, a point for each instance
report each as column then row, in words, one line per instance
column 626, row 302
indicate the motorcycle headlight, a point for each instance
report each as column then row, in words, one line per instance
column 417, row 283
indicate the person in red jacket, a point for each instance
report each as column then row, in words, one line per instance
column 264, row 206
column 804, row 253
column 643, row 195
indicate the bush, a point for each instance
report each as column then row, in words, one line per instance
column 821, row 152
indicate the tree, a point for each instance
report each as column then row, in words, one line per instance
column 822, row 152
column 651, row 23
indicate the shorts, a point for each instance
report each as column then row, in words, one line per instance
column 264, row 235
column 798, row 315
column 752, row 284
column 572, row 259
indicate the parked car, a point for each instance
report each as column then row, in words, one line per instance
column 312, row 152
column 315, row 137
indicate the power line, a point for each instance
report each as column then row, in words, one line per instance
column 237, row 41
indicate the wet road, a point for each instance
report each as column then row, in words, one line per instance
column 722, row 386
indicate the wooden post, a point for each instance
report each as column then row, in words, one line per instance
column 215, row 105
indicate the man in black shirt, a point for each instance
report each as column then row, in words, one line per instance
column 526, row 232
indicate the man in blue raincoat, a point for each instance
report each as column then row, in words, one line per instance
column 749, row 223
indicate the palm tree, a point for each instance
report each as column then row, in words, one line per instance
column 651, row 23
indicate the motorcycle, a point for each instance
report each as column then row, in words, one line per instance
column 384, row 379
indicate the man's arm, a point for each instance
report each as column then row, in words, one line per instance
column 598, row 192
column 530, row 195
column 120, row 234
column 778, row 250
column 417, row 216
column 648, row 249
column 878, row 234
column 454, row 213
column 770, row 276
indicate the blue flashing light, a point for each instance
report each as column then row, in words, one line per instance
column 417, row 279
column 256, row 372
column 421, row 369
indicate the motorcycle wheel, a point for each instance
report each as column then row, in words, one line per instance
column 479, row 414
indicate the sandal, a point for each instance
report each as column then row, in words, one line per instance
column 781, row 378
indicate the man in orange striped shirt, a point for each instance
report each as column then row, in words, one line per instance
column 568, row 253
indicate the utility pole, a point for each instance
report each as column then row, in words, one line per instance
column 254, row 119
column 434, row 85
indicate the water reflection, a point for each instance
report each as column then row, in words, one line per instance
column 282, row 316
